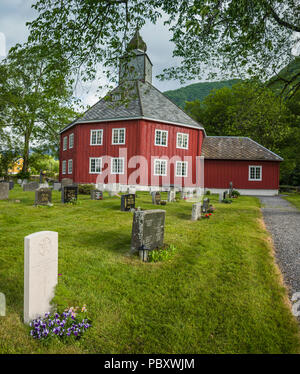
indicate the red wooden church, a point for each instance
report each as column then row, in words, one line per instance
column 135, row 136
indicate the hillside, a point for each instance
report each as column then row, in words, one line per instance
column 196, row 91
column 286, row 73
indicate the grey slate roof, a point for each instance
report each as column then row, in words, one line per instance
column 236, row 148
column 142, row 100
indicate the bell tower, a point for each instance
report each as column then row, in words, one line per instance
column 135, row 64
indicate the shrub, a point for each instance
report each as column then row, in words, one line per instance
column 207, row 192
column 161, row 254
column 235, row 193
column 85, row 189
column 227, row 201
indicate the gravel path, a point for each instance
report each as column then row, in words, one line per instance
column 283, row 222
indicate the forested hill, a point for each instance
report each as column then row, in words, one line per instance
column 196, row 91
column 287, row 73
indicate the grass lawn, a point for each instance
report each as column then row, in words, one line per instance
column 294, row 199
column 219, row 293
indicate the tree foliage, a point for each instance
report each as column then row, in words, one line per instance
column 236, row 36
column 35, row 96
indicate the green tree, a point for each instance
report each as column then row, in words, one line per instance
column 236, row 36
column 35, row 95
column 246, row 109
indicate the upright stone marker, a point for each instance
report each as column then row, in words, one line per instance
column 11, row 185
column 43, row 196
column 230, row 189
column 205, row 205
column 148, row 229
column 69, row 193
column 96, row 195
column 127, row 202
column 40, row 273
column 196, row 211
column 156, row 198
column 2, row 305
column 66, row 182
column 220, row 197
column 171, row 196
column 56, row 186
column 4, row 190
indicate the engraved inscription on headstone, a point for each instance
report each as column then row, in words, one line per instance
column 4, row 190
column 43, row 196
column 148, row 229
column 127, row 202
column 69, row 193
column 40, row 273
column 2, row 305
column 96, row 195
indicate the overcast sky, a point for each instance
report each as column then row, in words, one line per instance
column 15, row 13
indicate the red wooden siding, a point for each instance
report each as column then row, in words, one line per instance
column 139, row 140
column 218, row 174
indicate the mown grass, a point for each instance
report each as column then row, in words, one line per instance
column 219, row 293
column 294, row 199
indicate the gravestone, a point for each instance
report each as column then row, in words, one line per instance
column 56, row 186
column 183, row 195
column 131, row 190
column 43, row 196
column 69, row 193
column 11, row 185
column 66, row 182
column 156, row 198
column 127, row 202
column 225, row 193
column 96, row 195
column 148, row 229
column 171, row 196
column 205, row 206
column 220, row 197
column 40, row 273
column 31, row 186
column 4, row 190
column 230, row 189
column 19, row 181
column 196, row 211
column 2, row 305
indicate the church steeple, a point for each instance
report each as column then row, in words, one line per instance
column 135, row 64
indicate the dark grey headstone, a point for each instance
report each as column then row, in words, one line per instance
column 127, row 202
column 230, row 189
column 148, row 229
column 69, row 193
column 96, row 195
column 4, row 190
column 43, row 196
column 225, row 193
column 205, row 206
column 31, row 186
column 11, row 185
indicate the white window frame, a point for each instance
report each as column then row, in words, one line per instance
column 255, row 179
column 71, row 143
column 166, row 167
column 155, row 139
column 187, row 143
column 101, row 136
column 64, row 167
column 65, row 143
column 186, row 168
column 70, row 164
column 112, row 135
column 90, row 168
column 112, row 164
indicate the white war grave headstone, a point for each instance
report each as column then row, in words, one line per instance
column 40, row 273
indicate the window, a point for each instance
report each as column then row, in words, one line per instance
column 95, row 165
column 181, row 168
column 65, row 143
column 161, row 138
column 64, row 167
column 70, row 166
column 118, row 136
column 71, row 141
column 117, row 165
column 96, row 137
column 182, row 140
column 160, row 167
column 255, row 173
